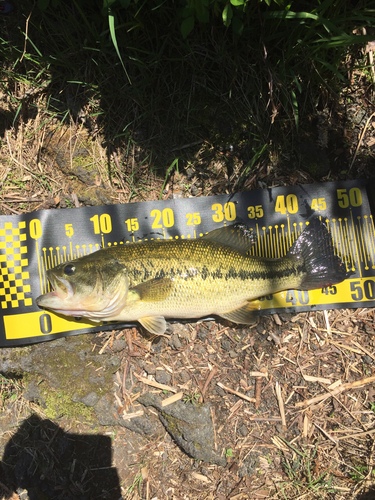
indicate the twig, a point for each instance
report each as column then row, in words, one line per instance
column 357, row 434
column 152, row 383
column 239, row 394
column 26, row 36
column 311, row 378
column 258, row 374
column 258, row 391
column 338, row 390
column 325, row 433
column 172, row 399
column 209, row 378
column 360, row 141
column 129, row 416
column 364, row 349
column 281, row 403
column 195, row 143
column 9, row 208
column 124, row 379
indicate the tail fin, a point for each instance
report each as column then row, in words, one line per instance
column 323, row 267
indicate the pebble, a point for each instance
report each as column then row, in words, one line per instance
column 118, row 345
column 163, row 377
column 367, row 359
column 226, row 345
column 220, row 391
column 260, row 328
column 202, row 335
column 175, row 342
column 194, row 190
column 243, row 431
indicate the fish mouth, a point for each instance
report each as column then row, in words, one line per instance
column 62, row 290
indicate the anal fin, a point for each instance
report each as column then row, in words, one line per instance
column 154, row 324
column 244, row 315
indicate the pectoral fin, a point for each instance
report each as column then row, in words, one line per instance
column 245, row 315
column 154, row 324
column 153, row 290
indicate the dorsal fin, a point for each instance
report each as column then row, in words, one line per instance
column 237, row 236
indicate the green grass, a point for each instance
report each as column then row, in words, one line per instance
column 250, row 79
column 300, row 471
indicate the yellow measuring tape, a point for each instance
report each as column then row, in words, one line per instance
column 30, row 244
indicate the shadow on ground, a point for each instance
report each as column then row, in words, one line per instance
column 51, row 464
column 369, row 495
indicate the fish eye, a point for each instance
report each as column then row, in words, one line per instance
column 69, row 269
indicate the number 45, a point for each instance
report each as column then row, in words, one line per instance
column 318, row 204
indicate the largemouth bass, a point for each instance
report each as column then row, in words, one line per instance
column 212, row 275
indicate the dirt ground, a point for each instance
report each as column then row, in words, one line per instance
column 287, row 365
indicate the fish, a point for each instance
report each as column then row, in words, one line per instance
column 151, row 281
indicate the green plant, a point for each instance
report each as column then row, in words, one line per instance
column 359, row 473
column 300, row 471
column 10, row 389
column 137, row 480
column 192, row 397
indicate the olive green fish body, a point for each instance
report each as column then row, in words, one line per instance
column 194, row 278
column 188, row 278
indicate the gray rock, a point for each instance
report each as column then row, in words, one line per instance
column 33, row 394
column 107, row 415
column 89, row 400
column 367, row 359
column 142, row 425
column 190, row 426
column 118, row 345
column 175, row 342
column 113, row 362
column 226, row 345
column 149, row 369
column 104, row 410
column 202, row 334
column 243, row 431
column 220, row 392
column 163, row 377
column 194, row 190
column 184, row 376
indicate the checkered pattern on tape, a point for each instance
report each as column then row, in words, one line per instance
column 13, row 262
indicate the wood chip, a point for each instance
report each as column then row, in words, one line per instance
column 258, row 374
column 310, row 378
column 357, row 434
column 239, row 394
column 346, row 347
column 172, row 399
column 128, row 416
column 277, row 319
column 258, row 391
column 281, row 403
column 364, row 350
column 338, row 390
column 200, row 477
column 153, row 383
column 325, row 433
column 305, row 426
column 334, row 385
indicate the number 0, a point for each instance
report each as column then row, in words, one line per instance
column 45, row 323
